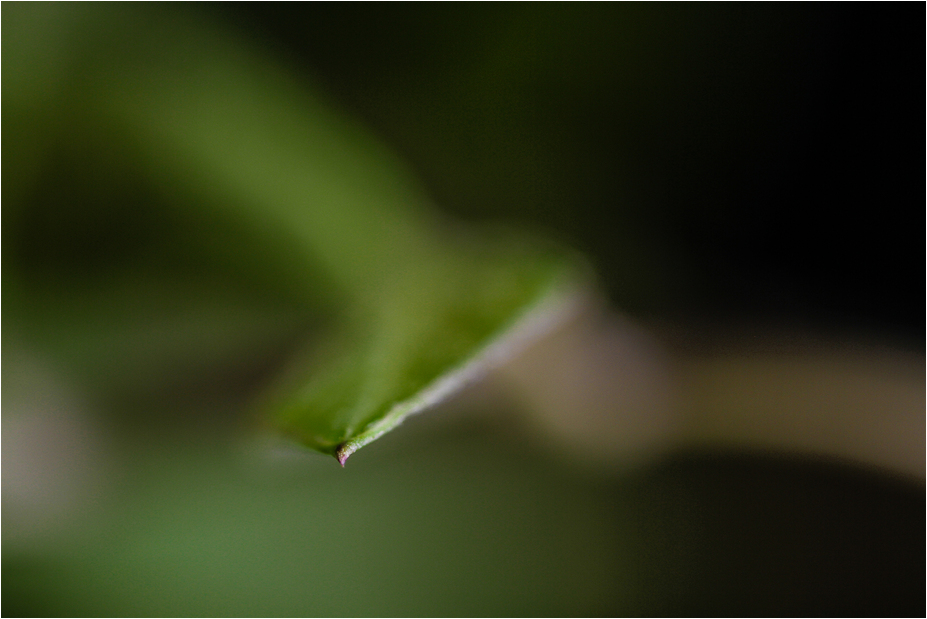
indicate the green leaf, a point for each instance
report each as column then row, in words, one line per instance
column 434, row 332
column 424, row 307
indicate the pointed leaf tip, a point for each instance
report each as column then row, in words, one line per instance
column 342, row 454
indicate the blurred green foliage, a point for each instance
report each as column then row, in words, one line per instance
column 163, row 108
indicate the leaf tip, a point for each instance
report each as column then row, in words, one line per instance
column 343, row 452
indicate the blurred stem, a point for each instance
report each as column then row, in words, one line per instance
column 610, row 391
column 230, row 126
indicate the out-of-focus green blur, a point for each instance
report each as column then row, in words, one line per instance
column 702, row 156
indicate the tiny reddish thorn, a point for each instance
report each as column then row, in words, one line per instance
column 342, row 454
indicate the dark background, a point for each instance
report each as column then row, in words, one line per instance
column 721, row 162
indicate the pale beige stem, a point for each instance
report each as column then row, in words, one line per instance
column 610, row 391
